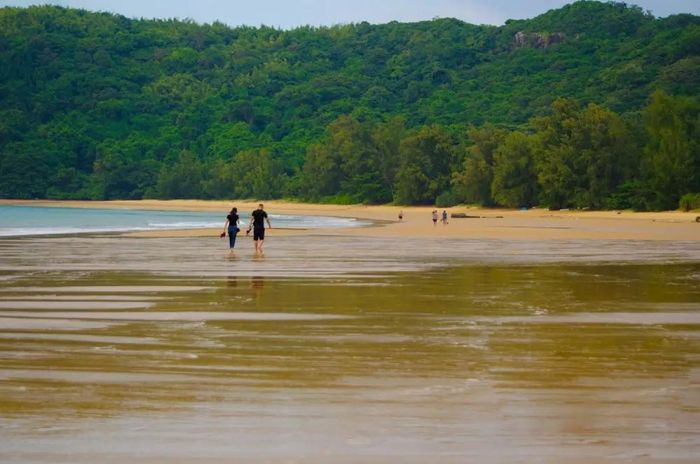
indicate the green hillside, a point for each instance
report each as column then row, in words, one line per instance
column 96, row 105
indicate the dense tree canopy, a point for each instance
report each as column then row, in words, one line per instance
column 590, row 105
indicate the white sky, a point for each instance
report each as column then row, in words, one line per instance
column 291, row 13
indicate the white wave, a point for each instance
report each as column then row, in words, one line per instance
column 21, row 231
column 184, row 225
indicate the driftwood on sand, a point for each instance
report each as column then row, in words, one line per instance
column 467, row 216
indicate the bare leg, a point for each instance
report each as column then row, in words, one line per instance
column 260, row 246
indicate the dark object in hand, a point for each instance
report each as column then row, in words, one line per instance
column 222, row 235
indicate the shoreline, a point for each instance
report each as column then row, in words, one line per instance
column 507, row 224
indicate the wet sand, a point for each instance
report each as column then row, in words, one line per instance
column 354, row 346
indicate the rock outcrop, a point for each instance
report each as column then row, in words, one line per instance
column 537, row 39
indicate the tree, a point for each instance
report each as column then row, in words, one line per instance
column 672, row 152
column 555, row 155
column 219, row 180
column 514, row 177
column 387, row 139
column 473, row 182
column 321, row 173
column 355, row 161
column 582, row 155
column 22, row 172
column 426, row 159
column 353, row 146
column 606, row 155
column 116, row 176
column 183, row 179
column 225, row 140
column 256, row 175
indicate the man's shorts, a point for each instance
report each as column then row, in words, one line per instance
column 258, row 233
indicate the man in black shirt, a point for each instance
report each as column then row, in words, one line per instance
column 257, row 221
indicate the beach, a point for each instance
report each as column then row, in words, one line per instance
column 517, row 336
column 533, row 224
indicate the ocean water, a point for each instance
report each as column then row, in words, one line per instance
column 40, row 220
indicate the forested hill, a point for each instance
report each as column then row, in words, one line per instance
column 96, row 105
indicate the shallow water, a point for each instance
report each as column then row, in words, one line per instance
column 25, row 220
column 348, row 350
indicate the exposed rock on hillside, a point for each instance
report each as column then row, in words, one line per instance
column 537, row 39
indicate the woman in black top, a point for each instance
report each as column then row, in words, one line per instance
column 231, row 224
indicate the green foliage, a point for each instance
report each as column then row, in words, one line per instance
column 117, row 177
column 514, row 177
column 181, row 179
column 633, row 194
column 257, row 175
column 446, row 199
column 219, row 180
column 96, row 105
column 473, row 182
column 21, row 172
column 425, row 162
column 387, row 139
column 681, row 77
column 352, row 144
column 321, row 174
column 689, row 201
column 605, row 155
column 69, row 183
column 672, row 152
column 356, row 160
column 581, row 154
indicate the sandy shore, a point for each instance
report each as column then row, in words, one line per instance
column 534, row 224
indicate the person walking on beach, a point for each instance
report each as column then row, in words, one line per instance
column 257, row 222
column 231, row 226
column 435, row 217
column 444, row 217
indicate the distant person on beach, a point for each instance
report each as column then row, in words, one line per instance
column 444, row 217
column 401, row 215
column 231, row 226
column 435, row 217
column 257, row 222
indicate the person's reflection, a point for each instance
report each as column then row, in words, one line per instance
column 232, row 281
column 257, row 284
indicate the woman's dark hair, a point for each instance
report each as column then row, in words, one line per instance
column 234, row 210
